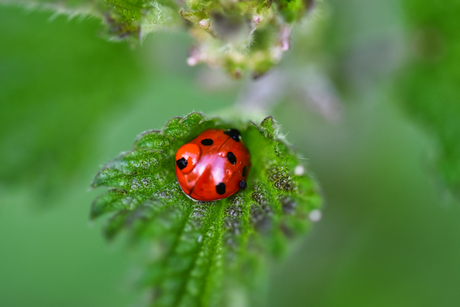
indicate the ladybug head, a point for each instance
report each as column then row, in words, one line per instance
column 234, row 134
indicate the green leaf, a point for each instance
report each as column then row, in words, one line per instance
column 247, row 35
column 429, row 84
column 44, row 86
column 204, row 249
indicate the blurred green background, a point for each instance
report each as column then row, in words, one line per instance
column 71, row 101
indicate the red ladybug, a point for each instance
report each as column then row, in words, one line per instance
column 214, row 165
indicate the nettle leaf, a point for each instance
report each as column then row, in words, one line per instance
column 205, row 251
column 249, row 35
column 428, row 86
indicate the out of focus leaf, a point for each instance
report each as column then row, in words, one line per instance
column 429, row 84
column 57, row 82
column 244, row 36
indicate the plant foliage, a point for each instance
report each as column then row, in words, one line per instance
column 429, row 84
column 238, row 36
column 204, row 251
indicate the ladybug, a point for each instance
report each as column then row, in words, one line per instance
column 214, row 165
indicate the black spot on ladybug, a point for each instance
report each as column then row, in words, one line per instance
column 231, row 157
column 181, row 163
column 243, row 185
column 244, row 171
column 220, row 188
column 234, row 134
column 207, row 142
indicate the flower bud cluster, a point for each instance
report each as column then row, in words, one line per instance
column 241, row 35
column 237, row 35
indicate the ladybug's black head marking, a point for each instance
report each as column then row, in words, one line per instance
column 207, row 142
column 234, row 134
column 243, row 185
column 220, row 188
column 181, row 163
column 231, row 157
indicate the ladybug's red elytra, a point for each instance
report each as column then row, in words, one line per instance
column 213, row 166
